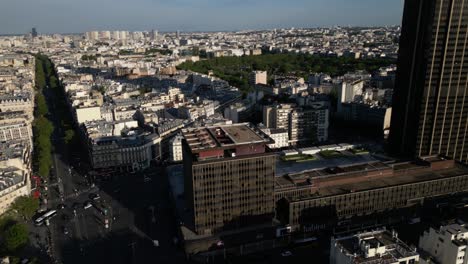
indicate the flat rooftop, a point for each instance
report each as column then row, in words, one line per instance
column 392, row 250
column 241, row 134
column 283, row 168
column 356, row 178
column 223, row 137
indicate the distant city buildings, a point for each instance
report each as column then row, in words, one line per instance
column 17, row 80
column 34, row 32
column 239, row 183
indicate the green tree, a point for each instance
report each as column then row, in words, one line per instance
column 41, row 105
column 15, row 237
column 26, row 206
column 53, row 82
column 196, row 51
column 40, row 76
column 69, row 136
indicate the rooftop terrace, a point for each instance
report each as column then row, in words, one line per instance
column 223, row 137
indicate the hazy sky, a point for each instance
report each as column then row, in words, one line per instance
column 75, row 16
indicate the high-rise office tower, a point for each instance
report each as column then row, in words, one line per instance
column 229, row 177
column 154, row 34
column 430, row 103
column 34, row 32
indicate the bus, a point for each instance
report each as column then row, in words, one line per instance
column 49, row 214
column 304, row 241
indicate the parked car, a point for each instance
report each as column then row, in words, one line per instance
column 286, row 254
column 94, row 196
column 87, row 205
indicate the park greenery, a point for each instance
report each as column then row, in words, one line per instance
column 42, row 127
column 13, row 234
column 359, row 151
column 46, row 80
column 330, row 154
column 26, row 206
column 150, row 51
column 160, row 51
column 235, row 70
column 298, row 158
column 89, row 57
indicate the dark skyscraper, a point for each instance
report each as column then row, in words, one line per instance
column 430, row 104
column 34, row 32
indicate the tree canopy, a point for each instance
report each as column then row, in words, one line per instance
column 15, row 237
column 26, row 206
column 235, row 70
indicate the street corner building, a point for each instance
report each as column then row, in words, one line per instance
column 229, row 177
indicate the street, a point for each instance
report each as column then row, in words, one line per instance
column 130, row 220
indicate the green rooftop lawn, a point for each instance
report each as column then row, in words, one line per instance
column 298, row 158
column 330, row 154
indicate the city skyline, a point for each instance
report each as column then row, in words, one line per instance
column 74, row 17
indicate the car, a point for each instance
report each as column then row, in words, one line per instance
column 286, row 253
column 94, row 196
column 61, row 206
column 87, row 205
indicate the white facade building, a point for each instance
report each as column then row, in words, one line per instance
column 175, row 149
column 372, row 247
column 447, row 245
column 280, row 136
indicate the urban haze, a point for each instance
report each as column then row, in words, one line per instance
column 230, row 131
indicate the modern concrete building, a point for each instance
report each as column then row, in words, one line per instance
column 349, row 90
column 359, row 113
column 308, row 125
column 239, row 112
column 280, row 136
column 430, row 102
column 326, row 196
column 304, row 124
column 379, row 246
column 229, row 177
column 277, row 116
